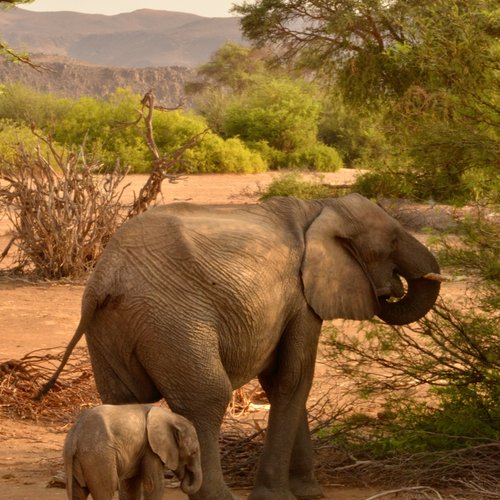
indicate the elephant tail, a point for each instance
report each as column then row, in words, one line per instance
column 67, row 353
column 87, row 313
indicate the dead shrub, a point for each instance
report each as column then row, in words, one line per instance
column 21, row 379
column 63, row 210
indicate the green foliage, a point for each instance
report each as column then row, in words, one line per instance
column 293, row 184
column 212, row 154
column 104, row 126
column 232, row 67
column 437, row 381
column 280, row 111
column 12, row 135
column 215, row 154
column 241, row 96
column 231, row 70
column 356, row 134
column 26, row 106
column 318, row 157
column 383, row 181
column 453, row 353
column 274, row 158
column 429, row 70
column 109, row 130
column 478, row 250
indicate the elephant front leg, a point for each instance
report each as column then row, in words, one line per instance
column 201, row 395
column 302, row 481
column 285, row 469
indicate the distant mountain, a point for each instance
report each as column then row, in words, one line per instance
column 139, row 39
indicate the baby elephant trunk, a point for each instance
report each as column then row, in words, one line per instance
column 190, row 479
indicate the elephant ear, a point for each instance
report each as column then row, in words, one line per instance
column 336, row 283
column 162, row 438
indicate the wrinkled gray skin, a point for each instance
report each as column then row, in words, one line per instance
column 190, row 302
column 128, row 446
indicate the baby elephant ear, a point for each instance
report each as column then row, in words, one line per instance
column 161, row 437
column 336, row 284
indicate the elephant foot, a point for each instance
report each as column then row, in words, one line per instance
column 262, row 493
column 308, row 489
column 222, row 493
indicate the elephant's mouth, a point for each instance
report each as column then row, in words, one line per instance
column 393, row 290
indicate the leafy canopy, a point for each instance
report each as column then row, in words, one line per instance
column 429, row 68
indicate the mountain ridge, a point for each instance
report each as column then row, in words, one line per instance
column 138, row 39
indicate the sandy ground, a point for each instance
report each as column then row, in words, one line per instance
column 34, row 316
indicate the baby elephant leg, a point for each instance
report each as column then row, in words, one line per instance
column 130, row 489
column 152, row 475
column 78, row 492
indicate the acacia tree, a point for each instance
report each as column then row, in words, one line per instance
column 431, row 66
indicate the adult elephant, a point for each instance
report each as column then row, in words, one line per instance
column 189, row 302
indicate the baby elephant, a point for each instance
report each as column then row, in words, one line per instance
column 128, row 446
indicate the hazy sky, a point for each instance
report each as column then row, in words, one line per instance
column 207, row 8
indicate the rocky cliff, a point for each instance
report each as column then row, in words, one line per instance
column 70, row 78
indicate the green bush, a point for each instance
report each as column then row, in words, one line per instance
column 274, row 158
column 25, row 106
column 384, row 181
column 478, row 250
column 451, row 356
column 13, row 135
column 281, row 111
column 107, row 131
column 293, row 184
column 215, row 155
column 318, row 157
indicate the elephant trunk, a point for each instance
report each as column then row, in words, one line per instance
column 191, row 481
column 418, row 300
column 423, row 280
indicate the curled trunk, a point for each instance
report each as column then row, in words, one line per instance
column 191, row 482
column 418, row 300
column 420, row 270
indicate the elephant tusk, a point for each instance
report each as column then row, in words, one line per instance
column 434, row 277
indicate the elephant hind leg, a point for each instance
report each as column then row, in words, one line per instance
column 100, row 474
column 118, row 383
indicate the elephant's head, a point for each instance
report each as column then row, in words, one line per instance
column 173, row 438
column 355, row 257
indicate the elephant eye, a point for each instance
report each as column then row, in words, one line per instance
column 394, row 244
